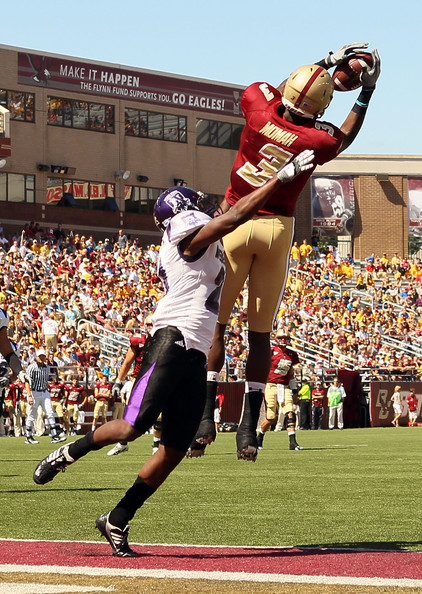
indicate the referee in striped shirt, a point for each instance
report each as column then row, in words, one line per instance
column 38, row 373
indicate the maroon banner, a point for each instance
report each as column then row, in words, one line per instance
column 5, row 147
column 382, row 407
column 135, row 85
column 333, row 205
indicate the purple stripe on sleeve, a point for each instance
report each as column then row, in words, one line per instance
column 136, row 398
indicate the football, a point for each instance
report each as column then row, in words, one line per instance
column 346, row 76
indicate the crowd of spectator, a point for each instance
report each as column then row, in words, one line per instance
column 62, row 288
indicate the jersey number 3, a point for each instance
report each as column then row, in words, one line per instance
column 274, row 158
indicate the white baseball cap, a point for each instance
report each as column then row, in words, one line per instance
column 40, row 352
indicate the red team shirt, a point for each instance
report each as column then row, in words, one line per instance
column 73, row 393
column 317, row 396
column 137, row 343
column 56, row 391
column 104, row 391
column 268, row 141
column 14, row 393
column 412, row 403
column 282, row 363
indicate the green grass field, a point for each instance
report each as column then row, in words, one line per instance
column 351, row 488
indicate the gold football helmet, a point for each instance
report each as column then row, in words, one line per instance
column 308, row 91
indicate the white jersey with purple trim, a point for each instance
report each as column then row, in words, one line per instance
column 4, row 319
column 193, row 285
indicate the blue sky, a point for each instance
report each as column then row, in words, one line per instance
column 243, row 41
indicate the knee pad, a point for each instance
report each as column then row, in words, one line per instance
column 290, row 419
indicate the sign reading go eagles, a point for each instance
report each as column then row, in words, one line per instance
column 136, row 85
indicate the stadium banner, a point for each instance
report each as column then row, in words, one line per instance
column 119, row 83
column 81, row 190
column 414, row 185
column 381, row 406
column 333, row 205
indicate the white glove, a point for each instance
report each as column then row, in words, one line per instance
column 23, row 377
column 299, row 164
column 336, row 58
column 4, row 382
column 370, row 74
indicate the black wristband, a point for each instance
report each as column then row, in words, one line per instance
column 363, row 100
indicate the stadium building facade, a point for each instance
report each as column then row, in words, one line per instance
column 91, row 145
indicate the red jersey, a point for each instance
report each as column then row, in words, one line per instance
column 137, row 343
column 104, row 391
column 269, row 141
column 56, row 391
column 282, row 363
column 14, row 392
column 23, row 395
column 412, row 403
column 73, row 393
column 317, row 396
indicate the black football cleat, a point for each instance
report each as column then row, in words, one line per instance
column 115, row 536
column 205, row 435
column 56, row 462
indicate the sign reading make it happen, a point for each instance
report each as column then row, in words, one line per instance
column 119, row 83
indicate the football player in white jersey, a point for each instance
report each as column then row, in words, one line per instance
column 8, row 353
column 172, row 378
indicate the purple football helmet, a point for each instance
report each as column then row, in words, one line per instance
column 175, row 200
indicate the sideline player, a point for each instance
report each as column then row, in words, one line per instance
column 172, row 379
column 133, row 357
column 281, row 390
column 279, row 124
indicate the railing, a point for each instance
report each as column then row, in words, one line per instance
column 312, row 352
column 109, row 340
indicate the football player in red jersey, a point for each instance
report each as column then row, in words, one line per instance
column 102, row 395
column 75, row 398
column 172, row 378
column 133, row 357
column 279, row 123
column 57, row 394
column 281, row 390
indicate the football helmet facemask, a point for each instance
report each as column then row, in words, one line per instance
column 308, row 91
column 178, row 199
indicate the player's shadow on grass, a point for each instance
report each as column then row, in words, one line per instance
column 287, row 552
column 368, row 545
column 65, row 490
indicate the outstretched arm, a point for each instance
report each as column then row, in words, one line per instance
column 353, row 123
column 246, row 207
column 336, row 58
column 342, row 54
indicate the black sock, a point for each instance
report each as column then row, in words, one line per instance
column 82, row 446
column 251, row 409
column 131, row 502
column 212, row 388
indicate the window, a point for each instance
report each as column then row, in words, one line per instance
column 20, row 104
column 80, row 114
column 219, row 134
column 81, row 194
column 15, row 187
column 160, row 126
column 141, row 199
